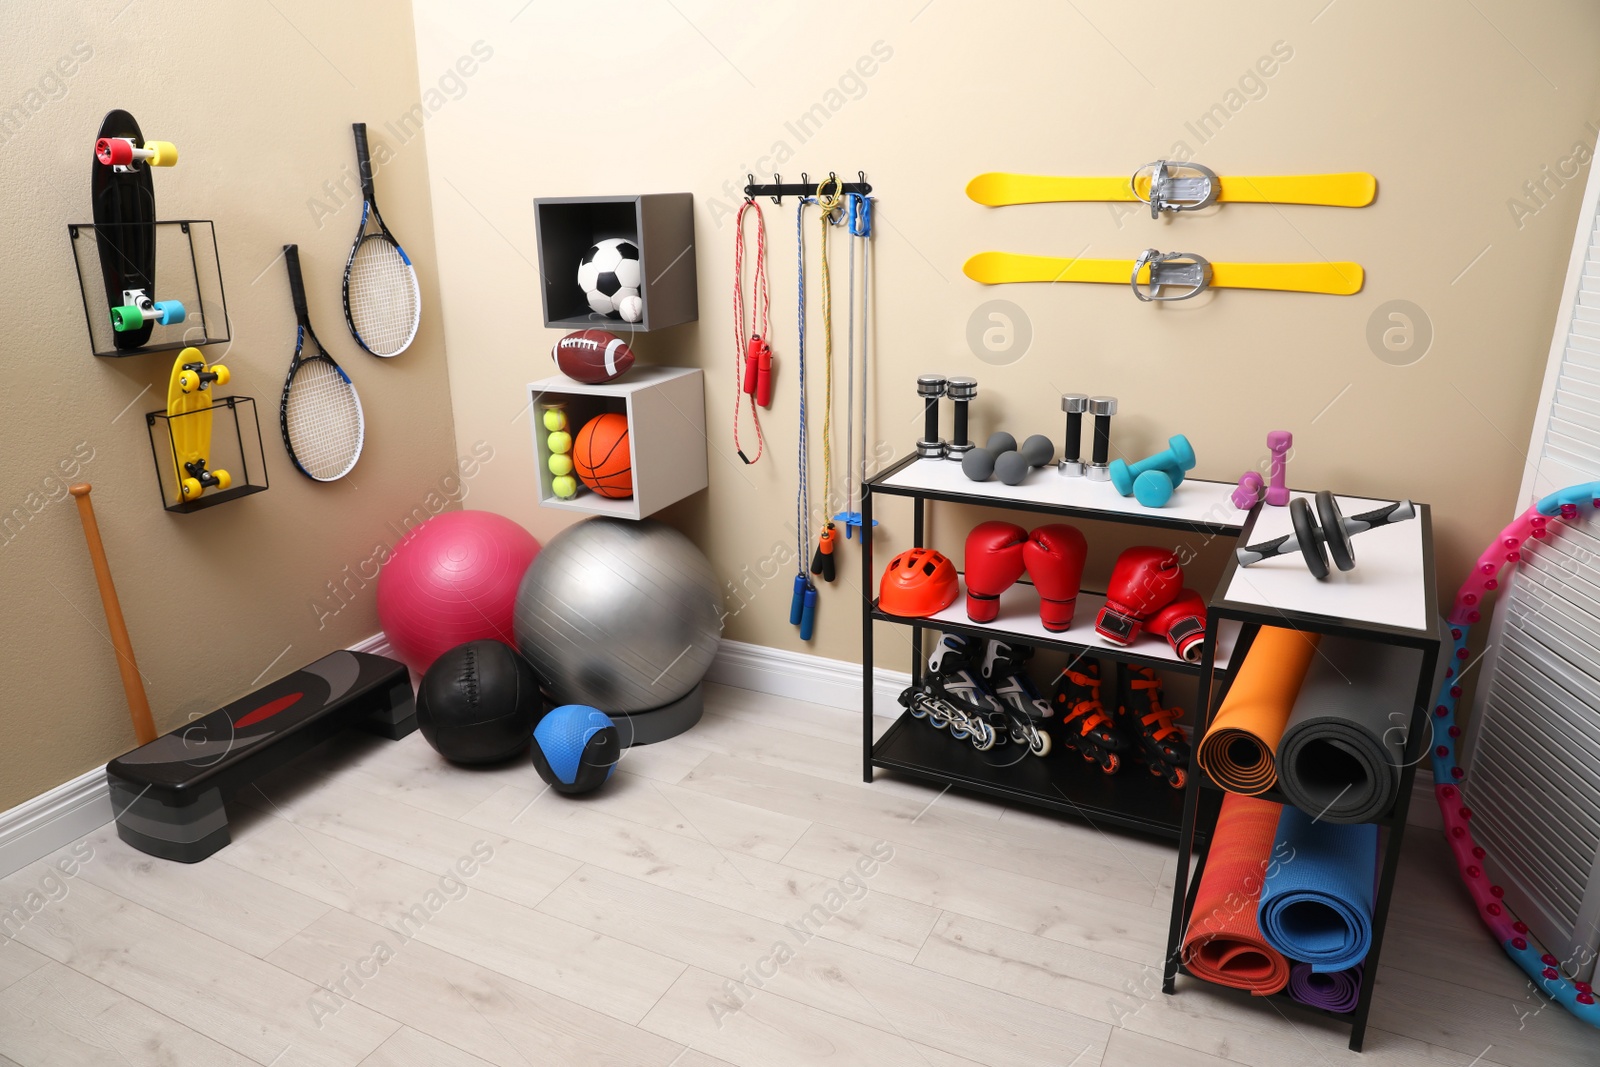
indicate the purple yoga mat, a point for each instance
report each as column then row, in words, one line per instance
column 1334, row 991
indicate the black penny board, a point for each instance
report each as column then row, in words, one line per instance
column 125, row 226
column 168, row 795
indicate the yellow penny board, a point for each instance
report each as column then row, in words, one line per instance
column 191, row 433
column 999, row 189
column 999, row 268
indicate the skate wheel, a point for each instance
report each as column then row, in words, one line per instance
column 222, row 373
column 1040, row 745
column 169, row 312
column 162, row 153
column 113, row 151
column 224, row 479
column 127, row 317
column 191, row 488
column 1178, row 778
column 1111, row 764
column 188, row 381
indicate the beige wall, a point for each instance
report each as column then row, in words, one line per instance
column 1452, row 111
column 258, row 98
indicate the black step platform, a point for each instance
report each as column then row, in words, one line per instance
column 168, row 795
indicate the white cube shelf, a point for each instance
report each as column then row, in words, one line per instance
column 666, row 410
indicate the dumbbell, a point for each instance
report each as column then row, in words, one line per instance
column 1152, row 480
column 1013, row 467
column 963, row 391
column 1074, row 404
column 930, row 387
column 1102, row 408
column 1316, row 542
column 1248, row 493
column 1278, row 443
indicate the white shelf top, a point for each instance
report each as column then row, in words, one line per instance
column 1019, row 619
column 1389, row 585
column 638, row 377
column 1194, row 501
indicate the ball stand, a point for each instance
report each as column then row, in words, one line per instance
column 658, row 724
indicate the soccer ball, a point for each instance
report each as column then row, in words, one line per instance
column 609, row 273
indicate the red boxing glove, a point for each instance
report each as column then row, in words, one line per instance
column 1144, row 581
column 1183, row 624
column 1054, row 557
column 994, row 563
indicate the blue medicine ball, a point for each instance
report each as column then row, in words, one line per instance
column 575, row 748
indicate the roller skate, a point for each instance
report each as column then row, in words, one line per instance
column 1141, row 716
column 1085, row 726
column 1024, row 709
column 953, row 695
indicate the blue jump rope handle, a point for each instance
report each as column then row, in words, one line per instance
column 860, row 211
column 797, row 602
column 808, row 615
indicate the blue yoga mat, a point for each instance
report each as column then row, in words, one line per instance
column 1316, row 901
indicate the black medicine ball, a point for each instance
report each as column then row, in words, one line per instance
column 478, row 703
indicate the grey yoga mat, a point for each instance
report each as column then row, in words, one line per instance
column 1341, row 751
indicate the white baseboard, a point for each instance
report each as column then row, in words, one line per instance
column 35, row 828
column 833, row 683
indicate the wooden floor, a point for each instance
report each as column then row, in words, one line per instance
column 734, row 896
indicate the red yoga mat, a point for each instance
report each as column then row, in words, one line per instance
column 1224, row 943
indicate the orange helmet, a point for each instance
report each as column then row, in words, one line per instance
column 918, row 582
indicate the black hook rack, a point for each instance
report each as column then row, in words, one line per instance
column 778, row 188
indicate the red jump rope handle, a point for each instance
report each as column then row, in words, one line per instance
column 764, row 377
column 752, row 364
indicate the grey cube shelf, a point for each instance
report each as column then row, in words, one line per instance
column 661, row 225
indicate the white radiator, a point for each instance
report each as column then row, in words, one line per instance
column 1533, row 764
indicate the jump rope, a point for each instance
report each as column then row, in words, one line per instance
column 754, row 351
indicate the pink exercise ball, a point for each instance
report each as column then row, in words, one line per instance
column 452, row 580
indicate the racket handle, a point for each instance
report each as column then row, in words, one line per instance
column 797, row 602
column 297, row 285
column 764, row 377
column 363, row 159
column 808, row 615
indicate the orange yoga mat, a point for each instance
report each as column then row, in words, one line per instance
column 1237, row 751
column 1224, row 943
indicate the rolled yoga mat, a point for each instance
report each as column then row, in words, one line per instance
column 1223, row 943
column 1316, row 905
column 1237, row 751
column 1333, row 991
column 1344, row 743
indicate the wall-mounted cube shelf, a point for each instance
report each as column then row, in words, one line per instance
column 661, row 225
column 666, row 409
column 187, row 270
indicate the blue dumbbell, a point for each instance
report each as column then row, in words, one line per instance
column 1152, row 480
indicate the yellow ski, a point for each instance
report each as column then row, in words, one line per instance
column 1167, row 275
column 1180, row 187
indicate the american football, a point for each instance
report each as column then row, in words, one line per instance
column 593, row 357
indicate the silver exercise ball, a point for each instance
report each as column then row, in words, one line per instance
column 620, row 615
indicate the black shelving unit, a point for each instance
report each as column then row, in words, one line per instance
column 1399, row 584
column 1062, row 783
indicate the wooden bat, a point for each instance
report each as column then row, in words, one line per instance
column 144, row 726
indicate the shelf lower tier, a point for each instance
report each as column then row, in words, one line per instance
column 1061, row 781
column 1346, row 1017
column 1277, row 796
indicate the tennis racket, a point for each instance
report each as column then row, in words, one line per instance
column 323, row 428
column 381, row 301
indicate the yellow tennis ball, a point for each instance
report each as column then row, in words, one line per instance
column 565, row 487
column 555, row 419
column 560, row 465
column 559, row 442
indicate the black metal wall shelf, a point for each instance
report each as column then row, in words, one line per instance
column 777, row 189
column 189, row 270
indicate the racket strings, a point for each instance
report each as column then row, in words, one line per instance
column 381, row 296
column 322, row 420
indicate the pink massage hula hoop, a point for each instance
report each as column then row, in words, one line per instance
column 1542, row 967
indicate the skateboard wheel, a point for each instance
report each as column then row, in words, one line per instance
column 169, row 311
column 221, row 372
column 191, row 488
column 113, row 151
column 224, row 479
column 127, row 317
column 188, row 381
column 162, row 153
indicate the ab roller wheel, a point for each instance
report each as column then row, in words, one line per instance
column 1324, row 534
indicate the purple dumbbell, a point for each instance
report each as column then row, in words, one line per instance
column 1279, row 442
column 1248, row 495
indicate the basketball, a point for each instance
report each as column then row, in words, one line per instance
column 600, row 456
